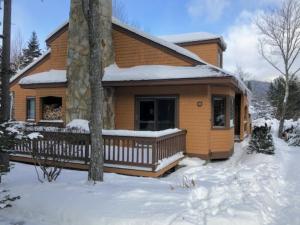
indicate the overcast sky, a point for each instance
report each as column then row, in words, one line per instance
column 231, row 18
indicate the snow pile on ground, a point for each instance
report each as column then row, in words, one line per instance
column 247, row 189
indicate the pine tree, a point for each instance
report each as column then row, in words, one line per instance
column 32, row 51
column 276, row 96
column 261, row 140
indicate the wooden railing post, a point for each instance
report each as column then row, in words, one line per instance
column 87, row 149
column 154, row 154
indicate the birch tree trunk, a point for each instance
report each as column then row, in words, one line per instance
column 284, row 107
column 280, row 42
column 5, row 66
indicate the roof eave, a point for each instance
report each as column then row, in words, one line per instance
column 220, row 42
column 44, row 85
column 164, row 82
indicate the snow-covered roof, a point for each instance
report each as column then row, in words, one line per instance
column 51, row 76
column 192, row 37
column 57, row 29
column 157, row 72
column 21, row 72
column 160, row 41
column 164, row 72
column 157, row 40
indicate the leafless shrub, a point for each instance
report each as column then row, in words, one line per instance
column 48, row 161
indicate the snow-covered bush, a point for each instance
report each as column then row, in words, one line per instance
column 9, row 134
column 293, row 135
column 261, row 138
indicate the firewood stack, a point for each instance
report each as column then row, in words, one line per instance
column 52, row 112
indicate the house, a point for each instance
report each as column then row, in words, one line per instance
column 163, row 82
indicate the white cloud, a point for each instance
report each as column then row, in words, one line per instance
column 211, row 10
column 242, row 48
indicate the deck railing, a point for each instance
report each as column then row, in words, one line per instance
column 125, row 151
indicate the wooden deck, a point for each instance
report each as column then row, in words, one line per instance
column 139, row 156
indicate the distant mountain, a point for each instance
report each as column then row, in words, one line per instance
column 259, row 88
column 260, row 106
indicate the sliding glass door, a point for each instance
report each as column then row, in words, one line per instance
column 156, row 113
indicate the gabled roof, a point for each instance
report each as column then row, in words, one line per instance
column 193, row 37
column 212, row 71
column 170, row 46
column 35, row 62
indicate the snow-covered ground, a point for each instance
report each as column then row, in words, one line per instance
column 244, row 190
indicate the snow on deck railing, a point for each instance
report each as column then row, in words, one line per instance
column 143, row 150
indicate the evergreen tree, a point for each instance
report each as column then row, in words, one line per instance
column 276, row 96
column 261, row 140
column 32, row 51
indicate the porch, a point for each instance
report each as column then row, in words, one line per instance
column 140, row 153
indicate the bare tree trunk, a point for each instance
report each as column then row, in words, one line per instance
column 98, row 16
column 5, row 66
column 284, row 106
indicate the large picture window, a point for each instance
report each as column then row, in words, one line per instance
column 219, row 111
column 30, row 108
column 156, row 113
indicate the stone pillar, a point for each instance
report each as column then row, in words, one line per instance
column 108, row 112
column 78, row 89
column 78, row 96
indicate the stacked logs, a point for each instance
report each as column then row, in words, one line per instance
column 52, row 112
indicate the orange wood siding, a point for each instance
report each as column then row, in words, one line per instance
column 129, row 51
column 21, row 95
column 132, row 51
column 206, row 51
column 201, row 139
column 59, row 52
column 221, row 140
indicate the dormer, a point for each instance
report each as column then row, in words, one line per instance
column 207, row 46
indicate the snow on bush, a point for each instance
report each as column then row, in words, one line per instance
column 291, row 132
column 261, row 138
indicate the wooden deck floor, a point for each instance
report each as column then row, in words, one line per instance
column 81, row 166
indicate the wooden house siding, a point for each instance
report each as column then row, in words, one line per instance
column 206, row 51
column 130, row 50
column 201, row 139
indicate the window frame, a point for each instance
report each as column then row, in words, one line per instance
column 154, row 98
column 28, row 98
column 227, row 112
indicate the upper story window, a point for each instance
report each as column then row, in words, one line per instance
column 30, row 108
column 219, row 111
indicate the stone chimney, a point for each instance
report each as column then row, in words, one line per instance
column 78, row 96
